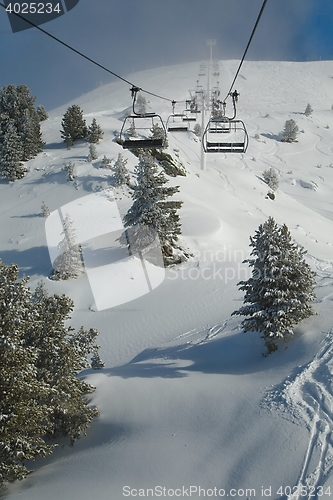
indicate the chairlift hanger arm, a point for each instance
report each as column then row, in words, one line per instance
column 234, row 95
column 134, row 90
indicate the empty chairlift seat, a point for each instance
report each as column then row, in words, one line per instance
column 226, row 136
column 143, row 132
column 219, row 125
column 191, row 112
column 176, row 123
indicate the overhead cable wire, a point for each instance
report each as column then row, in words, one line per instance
column 84, row 56
column 247, row 47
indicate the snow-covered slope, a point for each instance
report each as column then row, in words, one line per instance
column 186, row 399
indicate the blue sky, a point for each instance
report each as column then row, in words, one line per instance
column 131, row 35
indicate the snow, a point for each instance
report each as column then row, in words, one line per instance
column 186, row 398
column 98, row 224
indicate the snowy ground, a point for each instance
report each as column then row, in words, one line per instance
column 186, row 398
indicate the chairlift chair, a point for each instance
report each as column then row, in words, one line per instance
column 191, row 111
column 219, row 124
column 233, row 139
column 202, row 69
column 137, row 132
column 189, row 116
column 142, row 131
column 176, row 123
column 225, row 134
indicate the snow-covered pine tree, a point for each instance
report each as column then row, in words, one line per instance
column 197, row 130
column 30, row 135
column 95, row 133
column 42, row 113
column 141, row 104
column 69, row 168
column 40, row 358
column 152, row 212
column 11, row 154
column 45, row 211
column 74, row 126
column 132, row 130
column 157, row 132
column 14, row 101
column 106, row 162
column 278, row 294
column 121, row 174
column 271, row 178
column 24, row 416
column 40, row 292
column 17, row 110
column 93, row 155
column 27, row 137
column 290, row 131
column 62, row 355
column 85, row 344
column 69, row 262
column 308, row 110
column 96, row 362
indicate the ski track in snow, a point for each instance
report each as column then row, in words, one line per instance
column 324, row 270
column 308, row 398
column 205, row 333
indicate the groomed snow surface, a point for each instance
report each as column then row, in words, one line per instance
column 187, row 400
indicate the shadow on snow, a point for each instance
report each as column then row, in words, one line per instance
column 31, row 261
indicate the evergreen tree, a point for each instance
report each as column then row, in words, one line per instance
column 30, row 135
column 290, row 131
column 69, row 168
column 95, row 133
column 141, row 105
column 93, row 155
column 152, row 210
column 308, row 110
column 85, row 344
column 96, row 362
column 14, row 100
column 24, row 419
column 42, row 113
column 40, row 358
column 45, row 210
column 62, row 355
column 8, row 107
column 73, row 125
column 132, row 130
column 40, row 292
column 271, row 178
column 157, row 132
column 197, row 130
column 278, row 294
column 19, row 126
column 11, row 167
column 69, row 262
column 106, row 162
column 121, row 174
